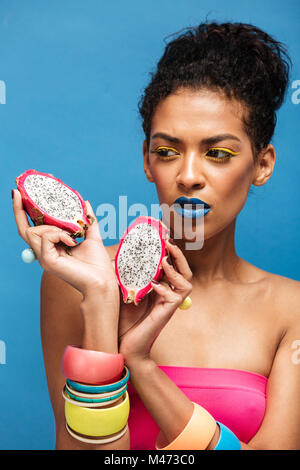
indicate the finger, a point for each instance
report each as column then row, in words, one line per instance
column 175, row 278
column 24, row 228
column 20, row 215
column 148, row 330
column 35, row 236
column 48, row 241
column 165, row 292
column 180, row 261
column 34, row 240
column 93, row 231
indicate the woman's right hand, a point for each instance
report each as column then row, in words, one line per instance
column 89, row 266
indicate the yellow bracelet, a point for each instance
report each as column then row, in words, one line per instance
column 97, row 422
column 196, row 435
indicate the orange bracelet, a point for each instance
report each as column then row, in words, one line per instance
column 196, row 435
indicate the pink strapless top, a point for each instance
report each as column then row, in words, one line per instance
column 236, row 398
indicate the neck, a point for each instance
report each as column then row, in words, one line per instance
column 217, row 259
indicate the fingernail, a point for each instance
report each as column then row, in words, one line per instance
column 12, row 193
column 154, row 281
column 171, row 241
column 169, row 260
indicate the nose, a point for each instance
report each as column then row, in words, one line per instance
column 191, row 175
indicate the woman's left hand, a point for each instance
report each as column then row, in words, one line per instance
column 168, row 294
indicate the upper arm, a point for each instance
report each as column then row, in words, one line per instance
column 280, row 428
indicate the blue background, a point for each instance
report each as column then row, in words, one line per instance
column 74, row 72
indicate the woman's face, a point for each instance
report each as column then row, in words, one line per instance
column 204, row 154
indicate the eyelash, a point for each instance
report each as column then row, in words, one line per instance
column 229, row 154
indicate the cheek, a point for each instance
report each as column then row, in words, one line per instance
column 162, row 179
column 232, row 186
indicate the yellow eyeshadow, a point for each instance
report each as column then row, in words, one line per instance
column 166, row 149
column 224, row 150
column 230, row 153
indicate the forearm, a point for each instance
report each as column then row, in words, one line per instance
column 167, row 404
column 100, row 315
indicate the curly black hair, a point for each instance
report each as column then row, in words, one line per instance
column 237, row 59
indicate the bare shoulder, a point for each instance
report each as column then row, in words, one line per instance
column 287, row 295
column 284, row 294
column 281, row 294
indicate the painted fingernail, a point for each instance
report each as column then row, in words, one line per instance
column 12, row 193
column 169, row 260
column 154, row 282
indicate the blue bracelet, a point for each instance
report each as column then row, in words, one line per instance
column 100, row 388
column 227, row 439
column 92, row 400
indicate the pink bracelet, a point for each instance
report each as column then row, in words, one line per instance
column 91, row 367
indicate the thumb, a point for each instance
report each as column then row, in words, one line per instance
column 93, row 231
column 148, row 330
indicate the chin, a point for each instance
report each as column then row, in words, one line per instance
column 211, row 231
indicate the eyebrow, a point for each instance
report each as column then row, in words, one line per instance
column 207, row 141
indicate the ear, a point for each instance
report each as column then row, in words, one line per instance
column 264, row 166
column 147, row 168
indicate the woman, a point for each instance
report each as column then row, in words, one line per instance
column 208, row 116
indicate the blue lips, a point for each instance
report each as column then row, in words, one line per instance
column 188, row 211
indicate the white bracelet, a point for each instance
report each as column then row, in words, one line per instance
column 106, row 440
column 87, row 404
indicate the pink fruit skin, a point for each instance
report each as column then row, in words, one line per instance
column 40, row 217
column 140, row 294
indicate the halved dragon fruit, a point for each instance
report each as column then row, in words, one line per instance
column 138, row 259
column 48, row 200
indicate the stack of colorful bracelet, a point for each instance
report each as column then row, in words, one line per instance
column 96, row 397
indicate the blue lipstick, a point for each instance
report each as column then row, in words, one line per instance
column 184, row 207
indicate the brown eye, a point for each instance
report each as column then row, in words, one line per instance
column 164, row 152
column 219, row 154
